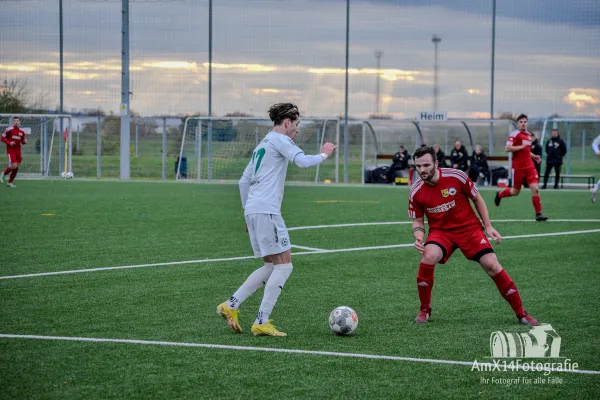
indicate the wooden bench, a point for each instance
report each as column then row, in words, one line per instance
column 411, row 167
column 391, row 157
column 591, row 180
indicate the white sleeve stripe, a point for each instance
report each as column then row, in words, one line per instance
column 454, row 171
column 415, row 189
column 457, row 176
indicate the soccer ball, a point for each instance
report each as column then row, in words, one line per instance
column 66, row 175
column 343, row 320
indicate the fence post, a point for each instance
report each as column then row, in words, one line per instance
column 164, row 149
column 362, row 172
column 137, row 132
column 210, row 155
column 199, row 150
column 337, row 153
column 569, row 150
column 61, row 148
column 44, row 146
column 70, row 147
column 446, row 141
column 98, row 147
column 583, row 145
column 77, row 147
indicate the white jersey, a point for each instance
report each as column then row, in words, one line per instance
column 267, row 170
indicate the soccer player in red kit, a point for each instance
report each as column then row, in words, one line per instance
column 523, row 168
column 443, row 194
column 14, row 137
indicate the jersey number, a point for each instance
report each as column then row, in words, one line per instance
column 258, row 156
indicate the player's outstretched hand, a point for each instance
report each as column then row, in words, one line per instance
column 328, row 148
column 494, row 235
column 419, row 246
column 12, row 143
column 537, row 158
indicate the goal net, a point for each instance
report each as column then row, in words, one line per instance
column 46, row 153
column 220, row 148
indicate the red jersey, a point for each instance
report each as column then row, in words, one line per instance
column 13, row 134
column 521, row 159
column 445, row 203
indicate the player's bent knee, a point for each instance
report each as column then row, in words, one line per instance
column 489, row 262
column 515, row 192
column 282, row 258
column 432, row 255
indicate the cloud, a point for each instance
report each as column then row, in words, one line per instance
column 573, row 12
column 538, row 60
column 585, row 100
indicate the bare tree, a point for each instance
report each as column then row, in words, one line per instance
column 16, row 97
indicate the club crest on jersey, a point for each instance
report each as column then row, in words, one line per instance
column 452, row 191
column 445, row 192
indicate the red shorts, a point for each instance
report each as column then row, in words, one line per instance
column 529, row 175
column 14, row 156
column 472, row 241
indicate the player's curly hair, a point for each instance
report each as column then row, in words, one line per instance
column 281, row 111
column 421, row 151
column 521, row 117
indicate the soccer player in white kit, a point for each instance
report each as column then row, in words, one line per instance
column 261, row 190
column 596, row 147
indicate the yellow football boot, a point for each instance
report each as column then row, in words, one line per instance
column 267, row 329
column 231, row 316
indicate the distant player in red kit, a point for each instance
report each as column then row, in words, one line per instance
column 14, row 137
column 523, row 168
column 442, row 194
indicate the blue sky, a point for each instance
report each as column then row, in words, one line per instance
column 265, row 51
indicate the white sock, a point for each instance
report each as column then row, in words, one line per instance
column 254, row 282
column 281, row 272
column 597, row 187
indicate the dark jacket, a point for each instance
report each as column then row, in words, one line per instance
column 400, row 160
column 536, row 147
column 441, row 158
column 460, row 157
column 479, row 160
column 555, row 151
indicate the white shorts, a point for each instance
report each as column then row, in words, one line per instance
column 268, row 234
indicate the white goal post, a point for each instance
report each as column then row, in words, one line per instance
column 219, row 148
column 44, row 151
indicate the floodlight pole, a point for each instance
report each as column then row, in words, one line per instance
column 124, row 109
column 435, row 40
column 378, row 54
column 210, row 15
column 60, row 84
column 493, row 69
column 346, row 93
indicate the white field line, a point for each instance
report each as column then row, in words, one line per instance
column 295, row 351
column 391, row 246
column 306, row 248
column 300, row 228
